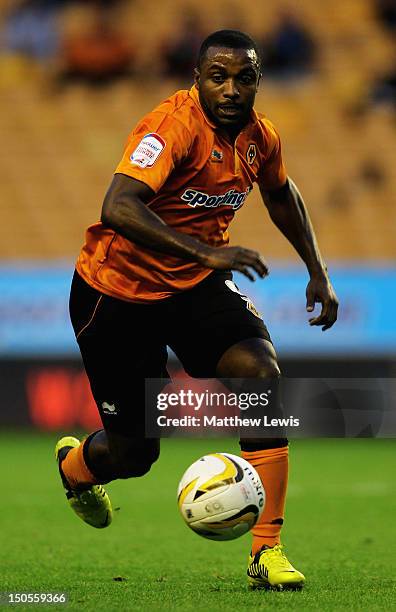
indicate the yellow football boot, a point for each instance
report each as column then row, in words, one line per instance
column 270, row 569
column 91, row 504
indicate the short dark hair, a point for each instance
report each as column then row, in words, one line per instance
column 231, row 39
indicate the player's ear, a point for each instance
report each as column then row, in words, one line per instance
column 197, row 74
column 258, row 81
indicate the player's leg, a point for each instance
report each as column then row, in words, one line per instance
column 113, row 455
column 86, row 497
column 255, row 358
column 101, row 457
column 229, row 340
column 268, row 565
column 117, row 355
column 108, row 455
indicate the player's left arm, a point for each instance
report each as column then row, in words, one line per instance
column 288, row 212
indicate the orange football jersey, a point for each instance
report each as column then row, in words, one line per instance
column 199, row 178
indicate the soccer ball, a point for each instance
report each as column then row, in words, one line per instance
column 221, row 496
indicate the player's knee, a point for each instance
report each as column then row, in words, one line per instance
column 260, row 368
column 253, row 358
column 267, row 369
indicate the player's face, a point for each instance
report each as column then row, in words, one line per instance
column 227, row 82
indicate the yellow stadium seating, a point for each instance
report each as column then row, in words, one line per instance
column 59, row 148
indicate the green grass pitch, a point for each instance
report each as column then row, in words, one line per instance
column 340, row 530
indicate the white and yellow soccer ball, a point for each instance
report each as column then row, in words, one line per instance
column 221, row 496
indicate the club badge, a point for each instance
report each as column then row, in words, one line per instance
column 251, row 154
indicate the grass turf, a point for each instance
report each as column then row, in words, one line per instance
column 339, row 531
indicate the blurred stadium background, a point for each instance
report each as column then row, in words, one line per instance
column 74, row 79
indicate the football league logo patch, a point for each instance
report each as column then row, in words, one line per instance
column 148, row 150
column 251, row 154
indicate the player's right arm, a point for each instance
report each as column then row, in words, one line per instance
column 125, row 211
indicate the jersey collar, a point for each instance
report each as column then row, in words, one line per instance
column 195, row 96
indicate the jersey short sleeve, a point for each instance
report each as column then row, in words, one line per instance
column 273, row 172
column 154, row 149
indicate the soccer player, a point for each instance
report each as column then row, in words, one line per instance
column 156, row 271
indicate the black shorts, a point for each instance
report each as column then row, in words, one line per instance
column 122, row 343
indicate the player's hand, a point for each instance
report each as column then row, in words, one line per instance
column 235, row 258
column 320, row 290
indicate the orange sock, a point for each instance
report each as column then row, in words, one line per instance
column 75, row 469
column 272, row 466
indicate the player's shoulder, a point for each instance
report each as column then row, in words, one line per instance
column 178, row 102
column 181, row 109
column 266, row 126
column 265, row 135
